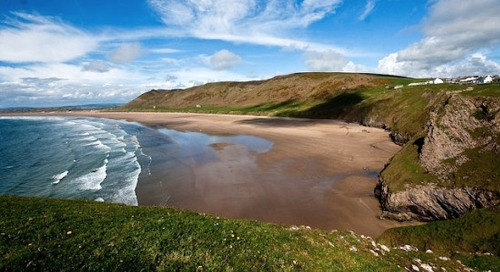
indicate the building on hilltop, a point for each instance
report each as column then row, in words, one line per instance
column 432, row 81
column 438, row 81
column 487, row 80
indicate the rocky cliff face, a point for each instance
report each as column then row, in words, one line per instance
column 431, row 202
column 461, row 125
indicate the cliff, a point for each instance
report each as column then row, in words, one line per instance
column 459, row 154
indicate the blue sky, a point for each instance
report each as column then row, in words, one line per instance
column 71, row 52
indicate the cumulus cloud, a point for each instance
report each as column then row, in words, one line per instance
column 454, row 30
column 370, row 5
column 331, row 61
column 59, row 83
column 324, row 61
column 251, row 21
column 126, row 53
column 356, row 68
column 224, row 59
column 31, row 38
column 97, row 66
column 59, row 95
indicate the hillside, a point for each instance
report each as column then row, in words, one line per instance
column 49, row 234
column 302, row 87
column 450, row 133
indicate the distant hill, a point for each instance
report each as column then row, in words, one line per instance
column 288, row 89
column 450, row 133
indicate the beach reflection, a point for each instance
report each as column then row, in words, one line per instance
column 203, row 147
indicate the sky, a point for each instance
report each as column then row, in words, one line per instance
column 75, row 52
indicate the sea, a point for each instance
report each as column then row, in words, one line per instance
column 96, row 158
column 71, row 157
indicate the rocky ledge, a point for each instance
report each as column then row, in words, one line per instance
column 462, row 125
column 429, row 202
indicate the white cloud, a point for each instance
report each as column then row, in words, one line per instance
column 31, row 38
column 249, row 21
column 474, row 64
column 477, row 64
column 98, row 66
column 126, row 53
column 324, row 61
column 454, row 30
column 36, row 86
column 52, row 64
column 224, row 59
column 352, row 67
column 331, row 61
column 188, row 77
column 370, row 5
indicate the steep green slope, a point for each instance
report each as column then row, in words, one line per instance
column 67, row 235
column 477, row 232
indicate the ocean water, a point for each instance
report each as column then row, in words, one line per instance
column 68, row 157
column 95, row 158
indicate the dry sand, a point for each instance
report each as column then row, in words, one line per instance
column 318, row 173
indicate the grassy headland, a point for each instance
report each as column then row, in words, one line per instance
column 50, row 234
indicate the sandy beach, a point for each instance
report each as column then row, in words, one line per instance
column 319, row 173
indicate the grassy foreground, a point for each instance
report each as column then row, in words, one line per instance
column 477, row 232
column 50, row 234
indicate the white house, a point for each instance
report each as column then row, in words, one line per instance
column 487, row 80
column 470, row 80
column 438, row 81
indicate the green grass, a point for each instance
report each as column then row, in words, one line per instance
column 261, row 109
column 64, row 235
column 49, row 234
column 404, row 168
column 491, row 90
column 475, row 232
column 481, row 170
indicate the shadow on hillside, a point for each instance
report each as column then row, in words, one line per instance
column 280, row 122
column 342, row 107
column 272, row 107
column 336, row 107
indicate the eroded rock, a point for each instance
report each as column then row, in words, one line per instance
column 461, row 124
column 430, row 202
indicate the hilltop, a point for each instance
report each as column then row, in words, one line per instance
column 450, row 133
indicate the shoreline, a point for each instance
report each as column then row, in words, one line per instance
column 317, row 172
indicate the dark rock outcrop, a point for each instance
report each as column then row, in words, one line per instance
column 430, row 202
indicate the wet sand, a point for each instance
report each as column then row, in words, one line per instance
column 318, row 173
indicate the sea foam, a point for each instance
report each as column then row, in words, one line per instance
column 72, row 157
column 57, row 178
column 92, row 180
